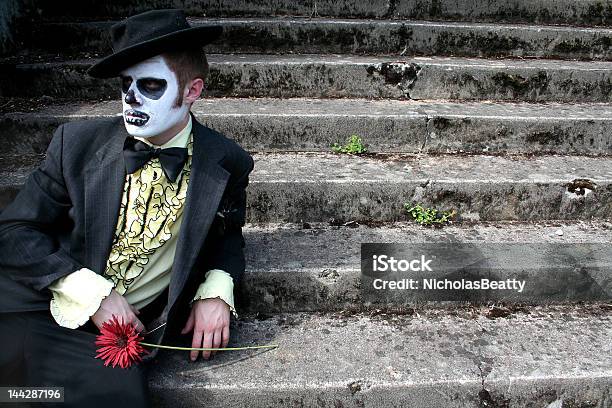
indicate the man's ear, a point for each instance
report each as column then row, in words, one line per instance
column 193, row 90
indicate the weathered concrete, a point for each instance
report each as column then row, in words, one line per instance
column 10, row 11
column 89, row 9
column 304, row 35
column 293, row 268
column 265, row 124
column 374, row 189
column 431, row 360
column 341, row 76
column 296, row 187
column 589, row 12
column 584, row 12
column 316, row 187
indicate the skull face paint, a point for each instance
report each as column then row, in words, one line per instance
column 149, row 90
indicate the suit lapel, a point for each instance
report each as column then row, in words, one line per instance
column 206, row 186
column 104, row 182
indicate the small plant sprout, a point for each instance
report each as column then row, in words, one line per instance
column 429, row 216
column 353, row 146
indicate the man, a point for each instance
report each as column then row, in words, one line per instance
column 137, row 216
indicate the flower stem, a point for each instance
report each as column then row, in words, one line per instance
column 208, row 348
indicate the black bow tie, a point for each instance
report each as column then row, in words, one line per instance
column 136, row 153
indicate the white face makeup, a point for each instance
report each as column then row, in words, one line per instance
column 149, row 90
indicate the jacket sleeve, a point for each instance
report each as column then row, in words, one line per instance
column 29, row 253
column 225, row 244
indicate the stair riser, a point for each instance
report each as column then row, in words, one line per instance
column 383, row 201
column 589, row 12
column 294, row 268
column 324, row 291
column 419, row 80
column 408, row 38
column 25, row 134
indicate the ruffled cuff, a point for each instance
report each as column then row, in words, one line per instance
column 77, row 296
column 217, row 284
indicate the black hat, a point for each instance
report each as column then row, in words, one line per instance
column 145, row 35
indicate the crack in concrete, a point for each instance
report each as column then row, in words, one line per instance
column 426, row 138
column 484, row 396
column 485, row 399
column 391, row 7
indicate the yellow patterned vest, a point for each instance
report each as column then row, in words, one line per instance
column 147, row 221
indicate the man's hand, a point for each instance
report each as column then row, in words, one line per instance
column 115, row 304
column 209, row 319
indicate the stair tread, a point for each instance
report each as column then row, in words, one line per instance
column 343, row 59
column 322, row 167
column 328, row 167
column 464, row 351
column 195, row 21
column 348, row 107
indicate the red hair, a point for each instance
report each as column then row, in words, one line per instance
column 187, row 64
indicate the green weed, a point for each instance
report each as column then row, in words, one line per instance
column 353, row 146
column 428, row 216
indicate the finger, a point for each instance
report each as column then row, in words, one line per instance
column 225, row 336
column 208, row 338
column 111, row 319
column 189, row 325
column 196, row 342
column 216, row 340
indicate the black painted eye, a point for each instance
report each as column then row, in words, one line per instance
column 151, row 87
column 125, row 83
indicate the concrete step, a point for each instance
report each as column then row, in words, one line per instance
column 309, row 187
column 301, row 124
column 340, row 76
column 317, row 266
column 584, row 12
column 355, row 36
column 540, row 358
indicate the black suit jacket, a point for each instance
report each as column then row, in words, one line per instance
column 65, row 215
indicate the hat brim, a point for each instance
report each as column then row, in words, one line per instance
column 113, row 64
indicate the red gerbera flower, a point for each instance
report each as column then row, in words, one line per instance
column 120, row 343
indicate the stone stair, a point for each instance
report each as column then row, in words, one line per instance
column 547, row 358
column 331, row 35
column 343, row 76
column 386, row 126
column 579, row 13
column 314, row 186
column 499, row 110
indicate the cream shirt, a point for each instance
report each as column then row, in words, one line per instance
column 140, row 263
